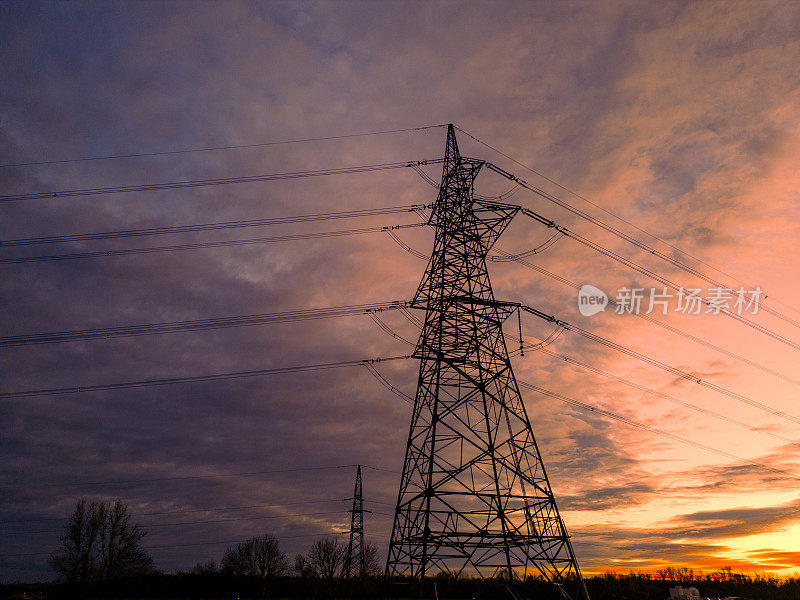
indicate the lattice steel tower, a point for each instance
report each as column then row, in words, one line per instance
column 474, row 495
column 354, row 561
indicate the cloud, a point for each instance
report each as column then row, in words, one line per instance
column 608, row 497
column 734, row 522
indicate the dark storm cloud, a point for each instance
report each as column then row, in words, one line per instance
column 695, row 532
column 774, row 558
column 732, row 477
column 608, row 497
column 734, row 522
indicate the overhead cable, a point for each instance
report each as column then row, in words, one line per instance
column 632, row 423
column 216, row 148
column 613, row 303
column 218, row 244
column 103, row 235
column 611, row 213
column 660, row 365
column 149, row 187
column 628, row 238
column 199, row 324
column 191, row 379
column 661, row 279
column 587, row 367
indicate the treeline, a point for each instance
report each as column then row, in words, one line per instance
column 723, row 583
column 260, row 569
column 101, row 556
column 100, row 543
column 685, row 574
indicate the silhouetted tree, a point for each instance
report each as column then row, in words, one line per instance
column 302, row 567
column 121, row 553
column 99, row 542
column 257, row 557
column 323, row 561
column 208, row 568
column 371, row 564
column 78, row 558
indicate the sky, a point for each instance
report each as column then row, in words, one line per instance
column 677, row 124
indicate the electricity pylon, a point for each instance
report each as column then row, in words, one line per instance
column 474, row 495
column 354, row 561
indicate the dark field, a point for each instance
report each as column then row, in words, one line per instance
column 224, row 587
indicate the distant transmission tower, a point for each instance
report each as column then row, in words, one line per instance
column 474, row 495
column 354, row 561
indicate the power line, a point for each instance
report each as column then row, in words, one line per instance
column 192, row 379
column 537, row 250
column 685, row 334
column 435, row 184
column 624, row 236
column 594, row 409
column 385, row 383
column 186, row 511
column 499, row 257
column 199, row 522
column 572, row 361
column 661, row 365
column 388, row 330
column 215, row 148
column 382, row 470
column 280, row 537
column 219, row 181
column 405, row 246
column 541, row 346
column 663, row 280
column 263, row 319
column 378, row 501
column 214, row 543
column 200, row 324
column 503, row 256
column 611, row 213
column 218, row 244
column 80, row 237
column 675, row 287
column 185, row 477
column 371, row 368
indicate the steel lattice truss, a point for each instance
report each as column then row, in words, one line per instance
column 354, row 560
column 474, row 496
